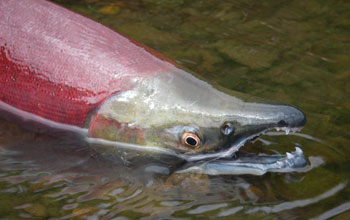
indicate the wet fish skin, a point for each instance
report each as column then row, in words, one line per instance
column 68, row 69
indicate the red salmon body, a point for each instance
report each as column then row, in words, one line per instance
column 60, row 65
column 69, row 73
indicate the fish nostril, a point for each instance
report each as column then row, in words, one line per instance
column 227, row 128
column 282, row 123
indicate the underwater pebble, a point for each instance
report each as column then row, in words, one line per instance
column 83, row 211
column 147, row 34
column 110, row 10
column 36, row 209
column 253, row 57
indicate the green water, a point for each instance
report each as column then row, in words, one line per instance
column 294, row 52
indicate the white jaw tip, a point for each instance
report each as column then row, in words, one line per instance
column 298, row 151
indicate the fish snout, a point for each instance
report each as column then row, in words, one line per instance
column 289, row 117
column 256, row 118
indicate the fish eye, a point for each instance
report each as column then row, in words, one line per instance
column 227, row 128
column 190, row 139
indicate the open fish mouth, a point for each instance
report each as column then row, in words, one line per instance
column 230, row 152
column 235, row 162
column 231, row 161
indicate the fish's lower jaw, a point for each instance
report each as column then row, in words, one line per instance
column 291, row 162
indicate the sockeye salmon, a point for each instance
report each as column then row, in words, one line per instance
column 68, row 69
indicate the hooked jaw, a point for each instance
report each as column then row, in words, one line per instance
column 284, row 117
column 292, row 119
column 187, row 116
column 256, row 119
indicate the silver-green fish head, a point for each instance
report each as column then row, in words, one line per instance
column 178, row 111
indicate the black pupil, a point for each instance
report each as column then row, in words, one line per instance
column 191, row 141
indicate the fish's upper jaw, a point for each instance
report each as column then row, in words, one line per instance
column 270, row 117
column 261, row 118
column 293, row 118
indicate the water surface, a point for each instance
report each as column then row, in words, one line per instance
column 294, row 52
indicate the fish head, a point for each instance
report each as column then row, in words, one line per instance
column 182, row 113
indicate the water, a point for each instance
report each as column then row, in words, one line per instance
column 295, row 52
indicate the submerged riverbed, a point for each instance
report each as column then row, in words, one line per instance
column 294, row 52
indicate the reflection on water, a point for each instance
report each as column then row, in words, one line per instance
column 295, row 52
column 42, row 176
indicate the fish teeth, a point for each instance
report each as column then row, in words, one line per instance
column 298, row 151
column 294, row 130
column 279, row 163
column 287, row 131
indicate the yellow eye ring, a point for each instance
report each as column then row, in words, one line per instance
column 190, row 139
